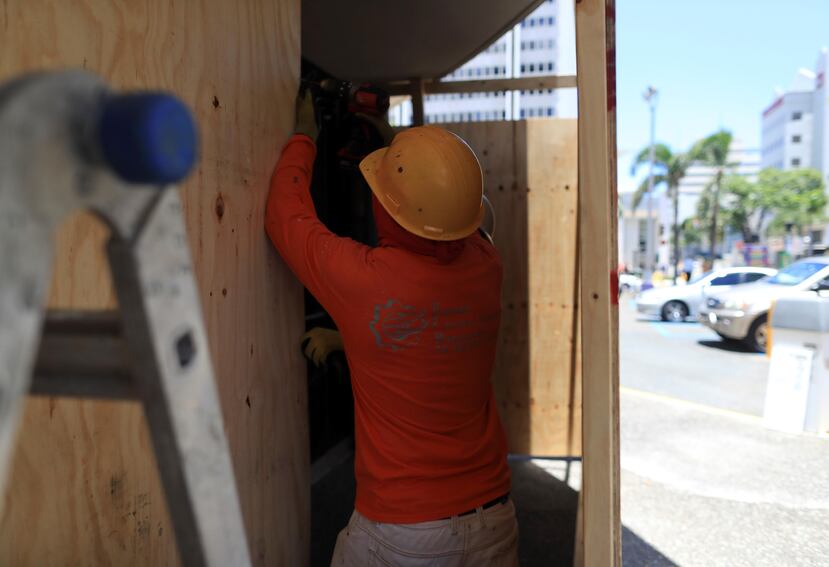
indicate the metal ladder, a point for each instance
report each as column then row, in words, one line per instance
column 68, row 143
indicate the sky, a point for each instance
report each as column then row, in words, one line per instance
column 715, row 64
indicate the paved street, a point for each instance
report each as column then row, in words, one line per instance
column 689, row 361
column 703, row 482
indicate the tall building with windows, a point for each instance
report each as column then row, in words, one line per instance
column 543, row 43
column 796, row 127
column 788, row 125
column 796, row 124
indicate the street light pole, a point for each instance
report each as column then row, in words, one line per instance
column 650, row 96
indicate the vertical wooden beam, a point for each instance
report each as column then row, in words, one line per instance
column 418, row 112
column 595, row 50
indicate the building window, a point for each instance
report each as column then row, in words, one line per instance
column 796, row 139
column 522, row 113
column 532, row 67
column 549, row 111
column 523, row 67
column 797, row 115
column 551, row 20
column 795, row 162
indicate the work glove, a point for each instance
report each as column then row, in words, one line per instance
column 306, row 120
column 319, row 343
column 381, row 125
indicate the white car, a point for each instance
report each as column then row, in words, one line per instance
column 742, row 314
column 629, row 283
column 677, row 303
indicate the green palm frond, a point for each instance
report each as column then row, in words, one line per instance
column 662, row 156
column 714, row 149
column 642, row 190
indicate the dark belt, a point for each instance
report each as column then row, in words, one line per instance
column 494, row 502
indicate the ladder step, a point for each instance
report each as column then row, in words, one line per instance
column 82, row 354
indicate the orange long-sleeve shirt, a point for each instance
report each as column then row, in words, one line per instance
column 420, row 338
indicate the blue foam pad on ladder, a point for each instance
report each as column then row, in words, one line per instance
column 148, row 137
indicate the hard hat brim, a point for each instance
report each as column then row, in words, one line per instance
column 370, row 167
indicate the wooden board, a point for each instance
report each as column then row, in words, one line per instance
column 530, row 176
column 84, row 489
column 596, row 60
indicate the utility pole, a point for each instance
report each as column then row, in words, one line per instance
column 650, row 96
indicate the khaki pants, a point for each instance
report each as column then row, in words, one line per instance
column 483, row 539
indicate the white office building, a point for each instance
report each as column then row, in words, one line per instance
column 796, row 124
column 788, row 126
column 820, row 116
column 543, row 43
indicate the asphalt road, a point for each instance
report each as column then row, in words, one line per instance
column 690, row 362
column 703, row 482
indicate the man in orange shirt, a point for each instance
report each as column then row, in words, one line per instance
column 419, row 317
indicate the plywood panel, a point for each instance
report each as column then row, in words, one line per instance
column 84, row 489
column 530, row 175
column 552, row 243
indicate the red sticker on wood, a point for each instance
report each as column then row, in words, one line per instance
column 614, row 287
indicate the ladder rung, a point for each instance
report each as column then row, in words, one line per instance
column 82, row 354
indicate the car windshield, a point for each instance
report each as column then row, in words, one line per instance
column 699, row 278
column 796, row 273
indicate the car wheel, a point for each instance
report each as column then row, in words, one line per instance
column 674, row 311
column 758, row 334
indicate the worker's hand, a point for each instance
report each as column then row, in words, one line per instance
column 306, row 120
column 381, row 125
column 319, row 343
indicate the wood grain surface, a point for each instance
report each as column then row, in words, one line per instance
column 531, row 178
column 84, row 489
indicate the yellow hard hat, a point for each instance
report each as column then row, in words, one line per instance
column 429, row 181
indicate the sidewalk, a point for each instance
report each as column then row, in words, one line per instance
column 708, row 487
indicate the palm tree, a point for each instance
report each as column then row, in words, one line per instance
column 670, row 168
column 713, row 151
